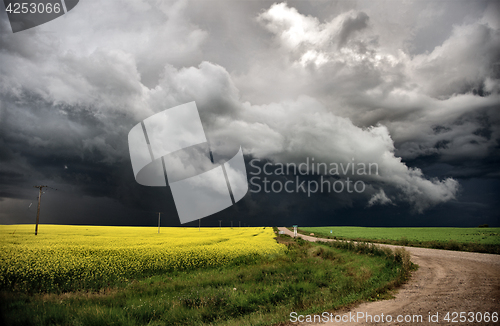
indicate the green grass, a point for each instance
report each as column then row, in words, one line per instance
column 485, row 240
column 309, row 278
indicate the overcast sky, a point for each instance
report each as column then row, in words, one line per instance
column 412, row 86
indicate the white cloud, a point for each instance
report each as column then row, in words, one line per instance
column 461, row 63
column 379, row 198
column 294, row 29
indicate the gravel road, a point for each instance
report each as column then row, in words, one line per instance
column 447, row 281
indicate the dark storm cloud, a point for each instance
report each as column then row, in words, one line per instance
column 408, row 94
column 286, row 81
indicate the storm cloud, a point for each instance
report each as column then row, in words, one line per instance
column 343, row 82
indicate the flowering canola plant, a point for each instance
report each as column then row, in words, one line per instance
column 68, row 258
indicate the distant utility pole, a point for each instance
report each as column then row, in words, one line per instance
column 219, row 223
column 159, row 222
column 199, row 224
column 38, row 209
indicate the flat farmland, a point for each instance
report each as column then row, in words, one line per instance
column 66, row 257
column 466, row 239
column 97, row 275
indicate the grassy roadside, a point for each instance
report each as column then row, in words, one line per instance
column 483, row 240
column 309, row 278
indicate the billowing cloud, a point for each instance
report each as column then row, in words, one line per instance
column 439, row 103
column 309, row 40
column 475, row 48
column 355, row 82
column 292, row 131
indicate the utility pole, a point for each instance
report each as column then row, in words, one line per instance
column 159, row 222
column 219, row 223
column 38, row 209
column 199, row 224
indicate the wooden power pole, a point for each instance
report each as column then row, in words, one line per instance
column 39, row 200
column 38, row 209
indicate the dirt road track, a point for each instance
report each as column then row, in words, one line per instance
column 447, row 281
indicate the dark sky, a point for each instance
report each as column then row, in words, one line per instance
column 412, row 87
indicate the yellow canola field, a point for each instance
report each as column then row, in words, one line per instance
column 66, row 258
